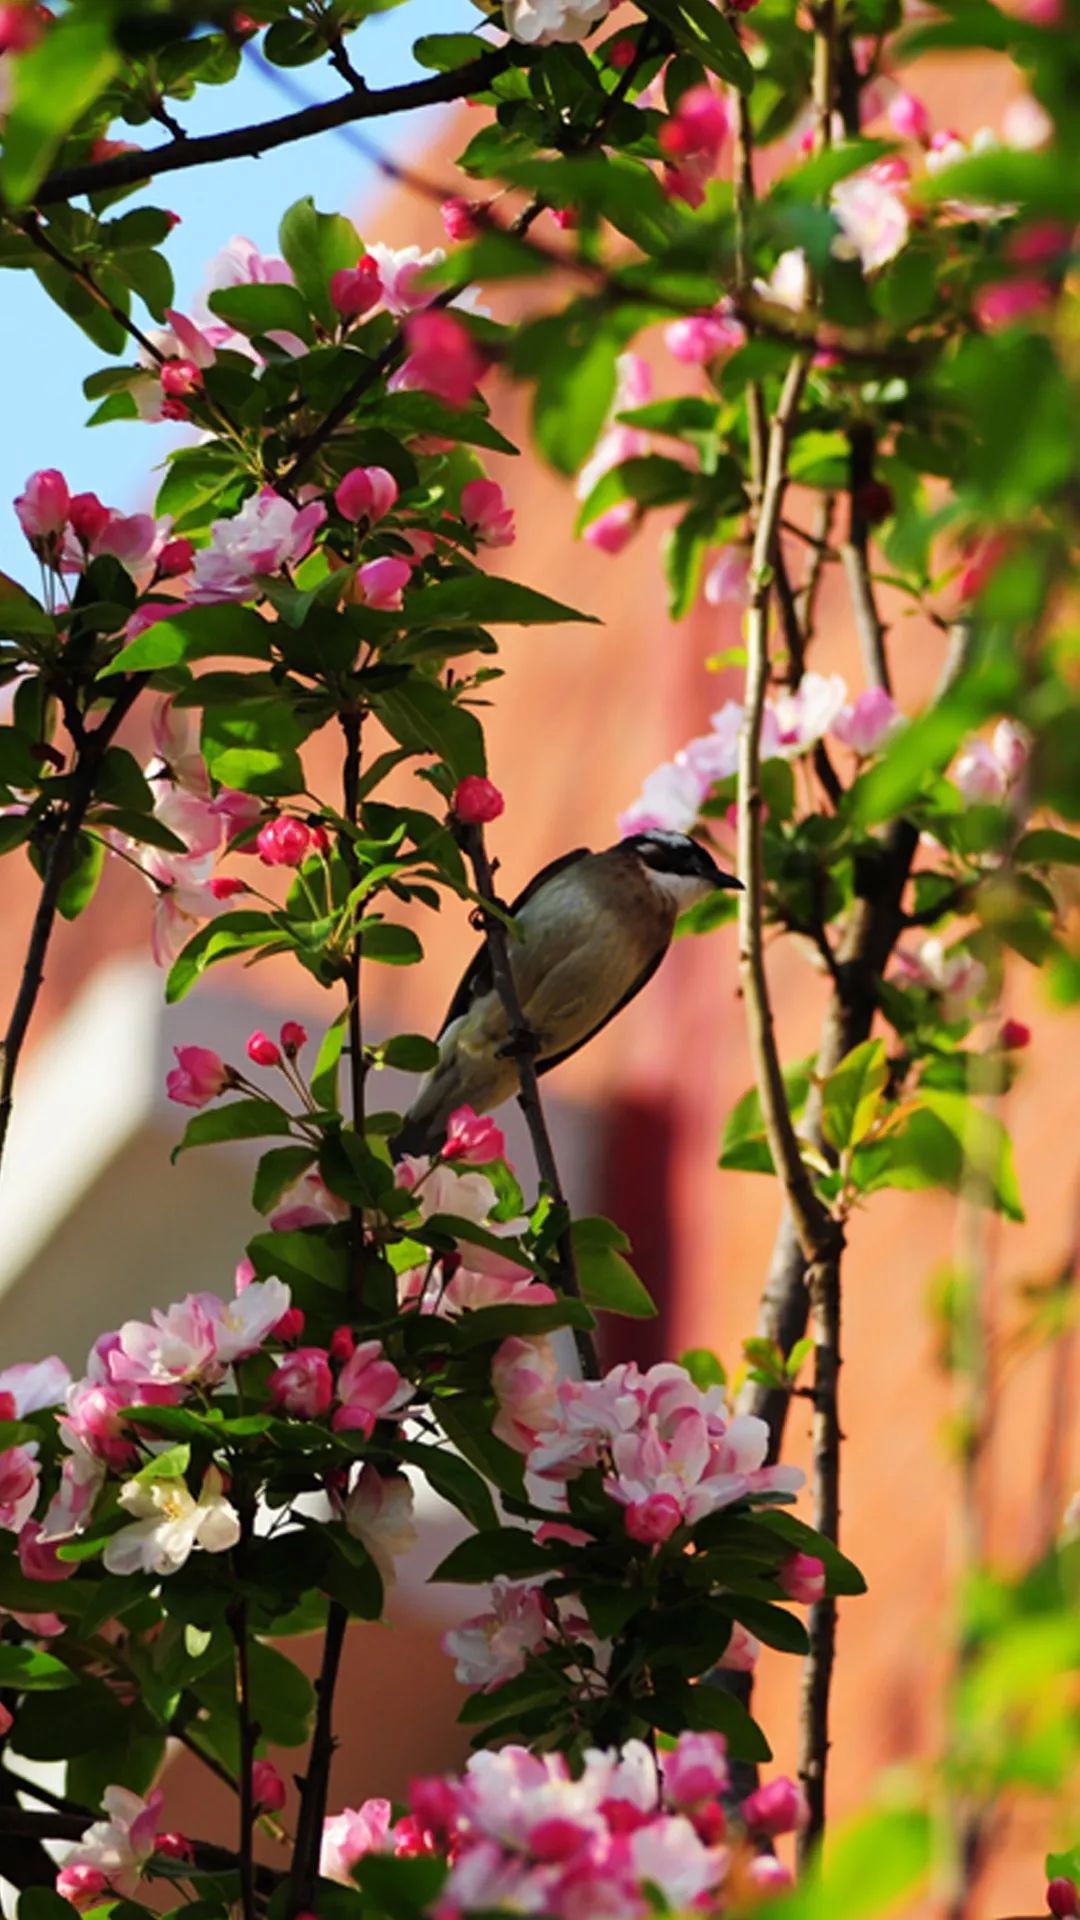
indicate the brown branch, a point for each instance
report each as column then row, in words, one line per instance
column 132, row 169
column 91, row 752
column 523, row 1048
column 855, row 556
column 85, row 279
column 247, row 1736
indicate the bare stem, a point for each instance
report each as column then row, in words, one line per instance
column 91, row 752
column 248, row 1733
column 855, row 556
column 523, row 1047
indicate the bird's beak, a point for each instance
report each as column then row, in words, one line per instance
column 728, row 883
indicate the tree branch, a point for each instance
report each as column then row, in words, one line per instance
column 854, row 554
column 80, row 796
column 523, row 1048
column 237, row 143
column 247, row 1731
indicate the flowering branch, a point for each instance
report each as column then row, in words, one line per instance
column 91, row 750
column 237, row 143
column 523, row 1049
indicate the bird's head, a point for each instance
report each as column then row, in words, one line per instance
column 683, row 869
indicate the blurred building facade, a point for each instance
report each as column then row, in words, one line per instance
column 95, row 1224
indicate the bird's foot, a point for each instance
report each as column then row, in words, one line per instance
column 523, row 1044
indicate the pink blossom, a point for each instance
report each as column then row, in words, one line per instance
column 87, row 517
column 769, row 1875
column 702, row 336
column 369, row 1385
column 908, row 117
column 19, row 1478
column 468, row 1291
column 954, row 973
column 777, row 1807
column 613, row 530
column 183, row 901
column 199, row 1076
column 697, row 1769
column 727, row 582
column 542, row 22
column 789, row 283
column 616, row 444
column 263, row 1051
column 472, row 1138
column 486, row 514
column 38, row 1554
column 700, row 124
column 42, row 506
column 355, row 290
column 459, row 218
column 981, row 563
column 366, row 493
column 653, row 1519
column 267, row 534
column 84, row 1886
column 283, row 842
column 32, row 1385
column 524, row 1376
column 443, row 358
column 92, row 1421
column 308, row 1203
column 168, row 1523
column 1025, row 124
column 868, row 721
column 477, row 801
column 22, row 25
column 349, row 1835
column 117, row 1848
column 802, row 1578
column 742, row 1651
column 1005, row 302
column 1012, row 748
column 804, row 716
column 873, row 220
column 131, row 538
column 400, row 270
column 7, row 1720
column 302, row 1384
column 493, row 1647
column 382, row 582
column 1039, row 243
column 378, row 1511
column 670, row 798
column 668, row 1855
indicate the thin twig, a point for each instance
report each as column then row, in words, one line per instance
column 855, row 555
column 80, row 795
column 523, row 1049
column 236, row 143
column 248, row 1734
column 40, row 239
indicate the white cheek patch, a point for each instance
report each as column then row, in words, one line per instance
column 682, row 889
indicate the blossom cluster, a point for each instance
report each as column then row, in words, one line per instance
column 523, row 1833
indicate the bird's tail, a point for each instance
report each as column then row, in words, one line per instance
column 419, row 1134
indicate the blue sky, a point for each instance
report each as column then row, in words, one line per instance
column 48, row 358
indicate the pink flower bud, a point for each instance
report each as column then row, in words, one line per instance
column 908, row 117
column 268, row 1787
column 342, row 1344
column 382, row 583
column 1005, row 302
column 180, row 379
column 1038, row 242
column 8, row 1407
column 355, row 290
column 176, row 557
column 87, row 517
column 7, row 1720
column 1063, row 1898
column 701, row 336
column 198, row 1077
column 470, row 1137
column 38, row 1557
column 366, row 493
column 697, row 1769
column 105, row 149
column 443, row 357
column 283, row 842
column 224, row 888
column 83, row 1886
column 42, row 506
column 565, row 217
column 709, row 1822
column 1014, row 1035
column 982, row 563
column 699, row 125
column 263, row 1051
column 769, row 1875
column 484, row 510
column 802, row 1577
column 613, row 529
column 622, row 54
column 477, row 800
column 21, row 27
column 654, row 1519
column 302, row 1384
column 290, row 1327
column 778, row 1807
column 293, row 1037
column 459, row 219
column 174, row 1846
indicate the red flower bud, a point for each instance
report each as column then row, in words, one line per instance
column 293, row 1037
column 477, row 800
column 224, row 888
column 342, row 1344
column 1014, row 1035
column 1062, row 1898
column 263, row 1051
column 874, row 502
column 176, row 557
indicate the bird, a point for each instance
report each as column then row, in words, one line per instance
column 592, row 930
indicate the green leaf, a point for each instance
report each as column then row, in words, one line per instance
column 705, row 1368
column 324, row 1078
column 421, row 715
column 1047, row 847
column 53, row 86
column 483, row 600
column 709, row 1709
column 853, row 1093
column 394, row 946
column 259, row 310
column 315, row 1270
column 487, row 1326
column 41, row 1903
column 402, row 1888
column 444, row 52
column 745, row 1147
column 239, row 932
column 608, row 1282
column 81, row 880
column 948, row 1141
column 197, row 634
column 842, row 1575
column 236, row 1120
column 508, row 1550
column 144, row 827
column 411, row 1053
column 652, row 480
column 700, row 29
column 276, row 1171
column 455, row 1480
column 26, row 1670
column 316, row 246
column 872, row 1867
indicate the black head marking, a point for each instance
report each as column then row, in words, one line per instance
column 676, row 853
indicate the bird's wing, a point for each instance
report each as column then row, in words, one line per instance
column 476, row 980
column 556, row 1059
